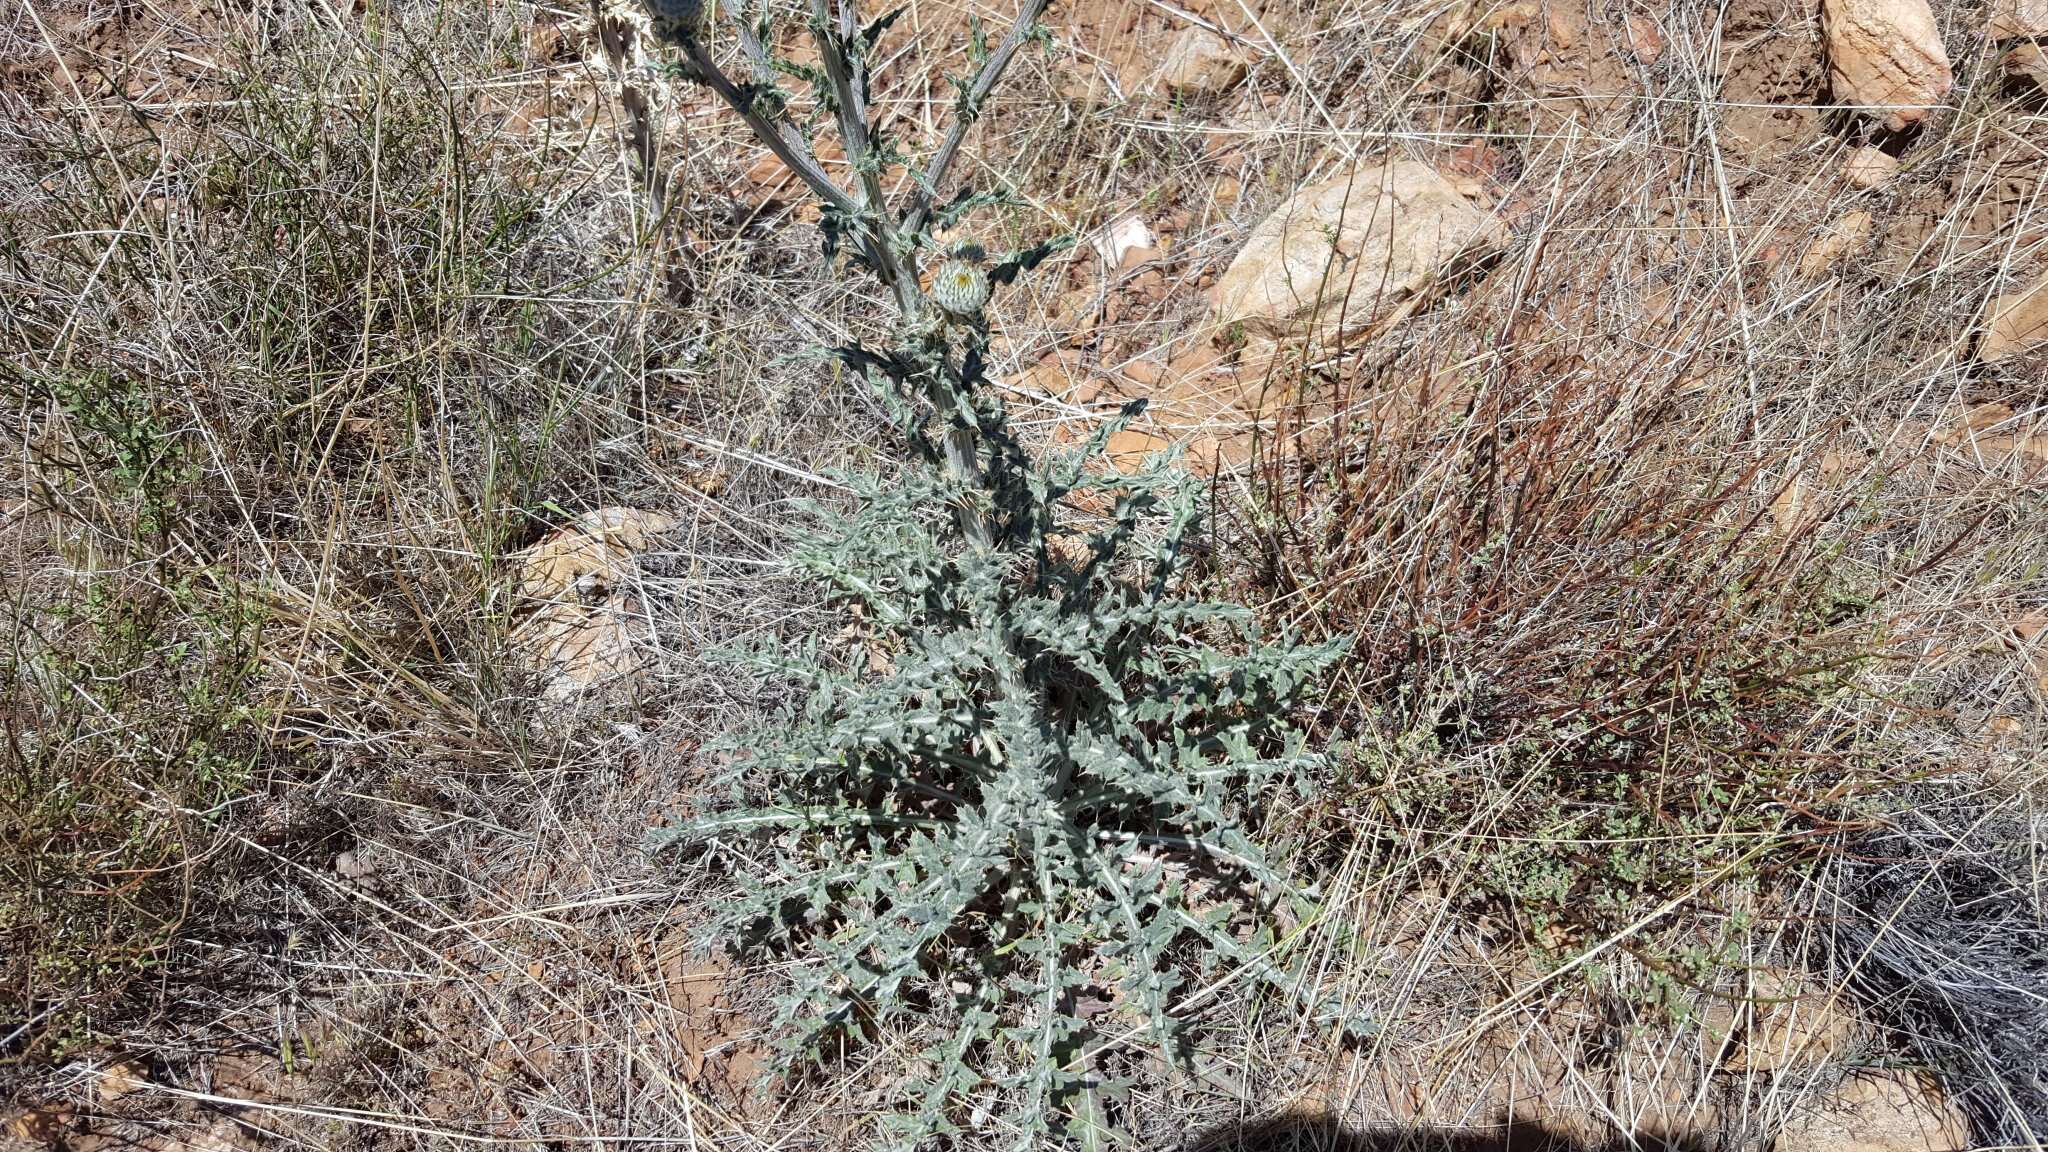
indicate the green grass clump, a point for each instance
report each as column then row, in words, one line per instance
column 133, row 724
column 243, row 340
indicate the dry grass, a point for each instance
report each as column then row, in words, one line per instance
column 1668, row 564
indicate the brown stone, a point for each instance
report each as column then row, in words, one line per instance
column 1129, row 449
column 1051, row 376
column 35, row 1127
column 1886, row 55
column 766, row 171
column 1782, row 1022
column 2028, row 63
column 1144, row 373
column 1644, row 38
column 1877, row 1112
column 1844, row 236
column 1992, row 435
column 1136, row 255
column 121, row 1079
column 2015, row 323
column 2011, row 19
column 1352, row 249
column 1200, row 63
column 1870, row 167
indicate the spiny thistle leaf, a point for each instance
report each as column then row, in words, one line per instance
column 872, row 34
column 1007, row 269
column 1019, row 800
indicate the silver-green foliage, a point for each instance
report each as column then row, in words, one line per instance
column 1023, row 819
column 1014, row 810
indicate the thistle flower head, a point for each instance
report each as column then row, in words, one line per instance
column 960, row 286
column 675, row 20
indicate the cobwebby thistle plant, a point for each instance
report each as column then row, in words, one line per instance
column 1025, row 823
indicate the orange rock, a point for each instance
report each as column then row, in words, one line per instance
column 1087, row 391
column 1644, row 38
column 1136, row 255
column 1208, row 454
column 1991, row 434
column 1145, row 373
column 1129, row 449
column 2028, row 62
column 1201, row 358
column 1790, row 506
column 1870, row 167
column 1982, row 416
column 1781, row 1022
column 767, row 171
column 43, row 1127
column 1052, row 375
column 120, row 1079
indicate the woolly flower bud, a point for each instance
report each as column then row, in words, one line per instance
column 675, row 19
column 960, row 288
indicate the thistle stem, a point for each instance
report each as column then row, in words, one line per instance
column 880, row 240
column 977, row 91
column 780, row 138
column 836, row 52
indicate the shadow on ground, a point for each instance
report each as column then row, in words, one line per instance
column 1310, row 1134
